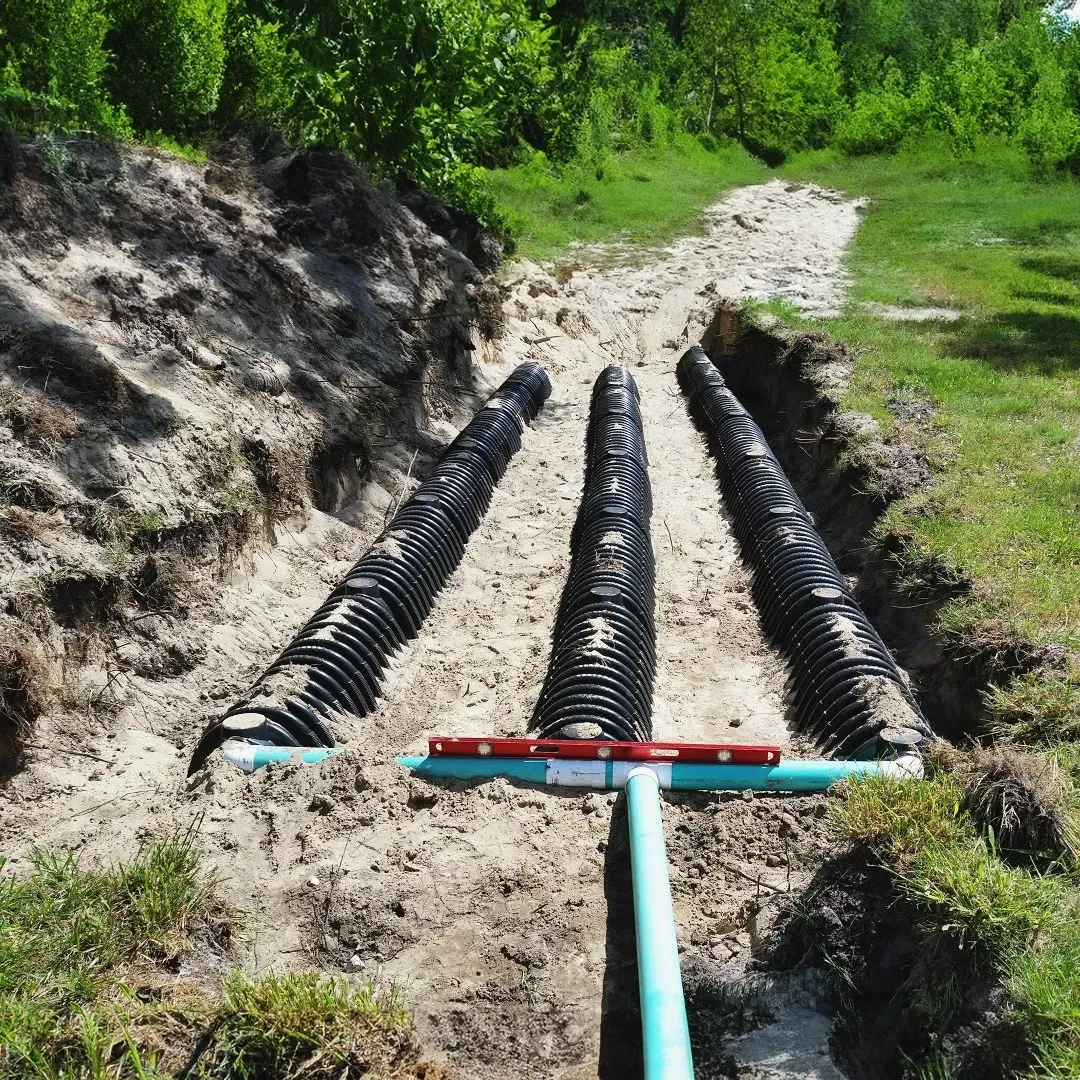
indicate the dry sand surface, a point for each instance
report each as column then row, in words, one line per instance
column 504, row 912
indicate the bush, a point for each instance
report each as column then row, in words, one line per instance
column 969, row 97
column 880, row 119
column 170, row 59
column 260, row 75
column 52, row 64
column 1049, row 131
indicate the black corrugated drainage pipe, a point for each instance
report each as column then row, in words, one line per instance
column 603, row 657
column 334, row 665
column 846, row 690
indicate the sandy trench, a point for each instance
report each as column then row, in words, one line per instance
column 500, row 910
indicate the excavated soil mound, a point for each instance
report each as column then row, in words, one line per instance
column 189, row 356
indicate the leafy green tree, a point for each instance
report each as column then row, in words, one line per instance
column 170, row 59
column 725, row 36
column 261, row 75
column 429, row 87
column 797, row 82
column 915, row 34
column 53, row 62
column 771, row 73
column 880, row 118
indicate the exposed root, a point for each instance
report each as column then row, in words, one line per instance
column 22, row 526
column 490, row 312
column 164, row 582
column 38, row 420
column 23, row 689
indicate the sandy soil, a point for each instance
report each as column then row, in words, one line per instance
column 504, row 912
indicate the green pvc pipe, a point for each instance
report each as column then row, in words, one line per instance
column 528, row 770
column 665, row 1035
column 788, row 775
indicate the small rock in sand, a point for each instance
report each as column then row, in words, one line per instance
column 422, row 798
column 322, row 804
column 313, row 882
column 355, row 961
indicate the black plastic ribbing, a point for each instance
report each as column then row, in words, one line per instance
column 846, row 691
column 603, row 655
column 334, row 665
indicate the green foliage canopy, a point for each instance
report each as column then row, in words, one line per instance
column 440, row 90
column 169, row 62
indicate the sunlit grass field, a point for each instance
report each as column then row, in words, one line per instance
column 642, row 199
column 982, row 237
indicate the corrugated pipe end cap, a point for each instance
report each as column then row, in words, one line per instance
column 249, row 727
column 891, row 743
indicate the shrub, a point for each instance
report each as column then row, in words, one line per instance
column 52, row 64
column 170, row 59
column 969, row 98
column 880, row 119
column 260, row 75
column 1049, row 131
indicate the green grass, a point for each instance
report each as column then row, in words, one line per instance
column 643, row 199
column 982, row 236
column 978, row 915
column 86, row 991
column 185, row 151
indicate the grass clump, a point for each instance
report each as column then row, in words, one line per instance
column 1039, row 707
column 971, row 900
column 273, row 1026
column 979, row 861
column 1025, row 802
column 69, row 941
column 86, row 989
column 1045, row 986
column 897, row 821
column 39, row 420
column 24, row 688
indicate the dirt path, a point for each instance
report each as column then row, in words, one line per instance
column 504, row 912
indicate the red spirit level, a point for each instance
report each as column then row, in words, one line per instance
column 592, row 750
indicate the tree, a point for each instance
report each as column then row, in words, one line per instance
column 170, row 60
column 725, row 35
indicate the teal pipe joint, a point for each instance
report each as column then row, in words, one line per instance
column 665, row 1034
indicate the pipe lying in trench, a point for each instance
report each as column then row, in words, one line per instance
column 790, row 774
column 334, row 665
column 603, row 656
column 665, row 1033
column 846, row 690
column 599, row 682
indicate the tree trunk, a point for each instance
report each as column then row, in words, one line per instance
column 739, row 105
column 712, row 93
